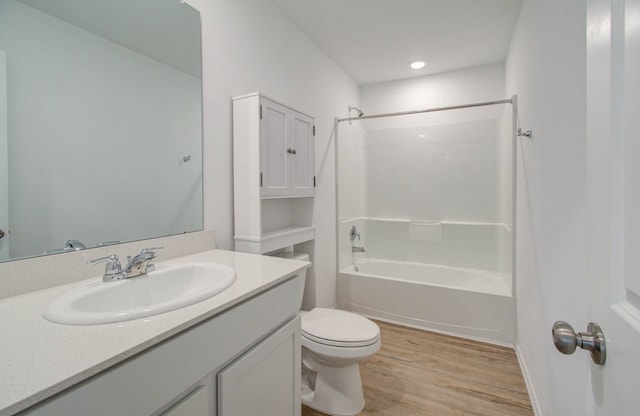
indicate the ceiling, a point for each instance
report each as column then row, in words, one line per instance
column 375, row 40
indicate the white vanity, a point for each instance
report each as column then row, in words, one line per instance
column 236, row 353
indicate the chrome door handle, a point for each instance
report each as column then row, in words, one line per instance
column 566, row 340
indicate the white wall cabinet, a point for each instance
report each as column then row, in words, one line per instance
column 274, row 177
column 286, row 150
column 255, row 343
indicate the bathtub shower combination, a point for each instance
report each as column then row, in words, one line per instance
column 425, row 213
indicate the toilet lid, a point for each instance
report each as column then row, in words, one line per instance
column 339, row 328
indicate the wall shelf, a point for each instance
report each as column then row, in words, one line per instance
column 275, row 239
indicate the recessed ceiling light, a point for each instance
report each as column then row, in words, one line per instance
column 418, row 64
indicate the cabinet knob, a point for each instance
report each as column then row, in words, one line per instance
column 291, row 151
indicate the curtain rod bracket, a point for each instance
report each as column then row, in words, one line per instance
column 528, row 134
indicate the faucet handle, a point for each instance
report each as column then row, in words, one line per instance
column 113, row 268
column 354, row 233
column 152, row 254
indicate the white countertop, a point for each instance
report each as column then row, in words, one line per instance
column 39, row 358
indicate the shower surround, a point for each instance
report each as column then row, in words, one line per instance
column 432, row 202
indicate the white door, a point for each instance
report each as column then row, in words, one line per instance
column 274, row 168
column 4, row 162
column 613, row 183
column 302, row 155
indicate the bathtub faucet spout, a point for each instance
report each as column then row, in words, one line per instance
column 355, row 249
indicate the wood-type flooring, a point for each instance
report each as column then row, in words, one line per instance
column 418, row 373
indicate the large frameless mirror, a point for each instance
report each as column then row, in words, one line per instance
column 100, row 123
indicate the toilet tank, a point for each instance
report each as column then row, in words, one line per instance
column 295, row 255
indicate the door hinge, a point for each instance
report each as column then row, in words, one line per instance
column 314, row 181
column 314, row 131
column 261, row 179
column 260, row 111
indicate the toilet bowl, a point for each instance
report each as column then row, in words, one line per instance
column 334, row 342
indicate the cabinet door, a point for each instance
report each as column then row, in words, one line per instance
column 265, row 380
column 274, row 168
column 197, row 403
column 302, row 157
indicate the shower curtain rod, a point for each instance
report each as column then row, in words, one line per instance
column 430, row 110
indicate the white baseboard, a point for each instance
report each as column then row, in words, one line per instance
column 535, row 404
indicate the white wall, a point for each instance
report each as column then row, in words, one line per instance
column 462, row 150
column 352, row 189
column 443, row 172
column 78, row 133
column 250, row 45
column 352, row 170
column 546, row 68
column 485, row 83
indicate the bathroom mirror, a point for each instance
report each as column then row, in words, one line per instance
column 100, row 123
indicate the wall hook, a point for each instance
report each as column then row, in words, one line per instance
column 186, row 158
column 528, row 134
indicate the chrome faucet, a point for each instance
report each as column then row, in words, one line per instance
column 74, row 245
column 141, row 263
column 136, row 266
column 69, row 245
column 355, row 249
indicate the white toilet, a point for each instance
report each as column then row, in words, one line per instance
column 334, row 342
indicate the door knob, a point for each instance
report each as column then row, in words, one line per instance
column 566, row 340
column 291, row 151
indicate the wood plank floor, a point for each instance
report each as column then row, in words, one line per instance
column 418, row 373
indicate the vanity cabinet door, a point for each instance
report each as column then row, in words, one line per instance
column 197, row 403
column 265, row 380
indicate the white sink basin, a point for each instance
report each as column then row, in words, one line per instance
column 168, row 288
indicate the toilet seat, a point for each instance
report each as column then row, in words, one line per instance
column 338, row 328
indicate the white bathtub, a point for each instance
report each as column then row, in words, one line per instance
column 463, row 302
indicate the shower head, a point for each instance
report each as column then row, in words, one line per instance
column 360, row 113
